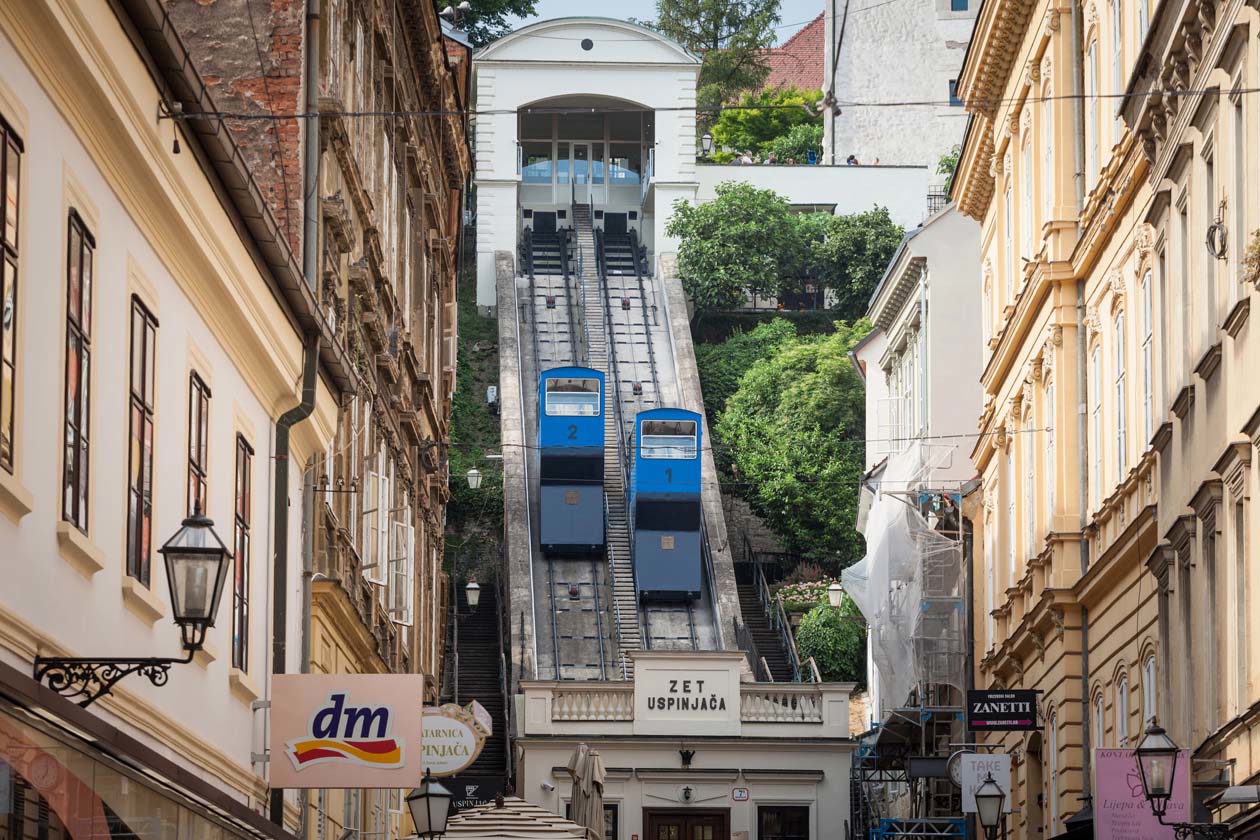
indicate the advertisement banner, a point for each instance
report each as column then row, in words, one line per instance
column 472, row 791
column 453, row 738
column 1002, row 711
column 974, row 768
column 346, row 730
column 1121, row 811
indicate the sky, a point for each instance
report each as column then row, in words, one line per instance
column 793, row 14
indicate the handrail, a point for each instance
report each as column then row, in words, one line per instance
column 815, row 675
column 527, row 246
column 784, row 627
column 745, row 641
column 766, row 667
column 503, row 682
column 455, row 640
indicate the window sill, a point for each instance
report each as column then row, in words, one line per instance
column 242, row 686
column 15, row 500
column 141, row 601
column 206, row 655
column 79, row 551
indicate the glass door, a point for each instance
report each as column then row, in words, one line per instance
column 581, row 170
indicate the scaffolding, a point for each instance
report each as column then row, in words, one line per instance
column 912, row 586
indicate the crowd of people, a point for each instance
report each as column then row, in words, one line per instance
column 753, row 159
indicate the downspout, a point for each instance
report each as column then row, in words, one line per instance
column 310, row 361
column 1082, row 385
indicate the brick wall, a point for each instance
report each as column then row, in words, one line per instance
column 249, row 76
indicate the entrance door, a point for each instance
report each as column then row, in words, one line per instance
column 688, row 825
column 581, row 169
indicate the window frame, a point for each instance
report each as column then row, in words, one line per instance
column 1095, row 427
column 199, row 446
column 954, row 101
column 1150, row 690
column 12, row 151
column 141, row 438
column 1122, row 710
column 241, row 543
column 1049, row 412
column 1091, row 115
column 794, row 807
column 77, row 415
column 1148, row 355
column 1120, row 347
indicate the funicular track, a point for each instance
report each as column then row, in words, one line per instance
column 574, row 630
column 631, row 319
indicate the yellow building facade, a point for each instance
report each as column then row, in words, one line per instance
column 1113, row 550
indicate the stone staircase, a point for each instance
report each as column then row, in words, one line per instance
column 769, row 645
column 479, row 677
column 547, row 253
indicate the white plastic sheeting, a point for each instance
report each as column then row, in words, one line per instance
column 909, row 586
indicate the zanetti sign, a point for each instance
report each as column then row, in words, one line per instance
column 992, row 711
column 346, row 731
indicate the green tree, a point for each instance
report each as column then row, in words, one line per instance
column 793, row 431
column 836, row 639
column 722, row 365
column 766, row 116
column 729, row 35
column 852, row 256
column 798, row 143
column 744, row 241
column 947, row 164
column 489, row 19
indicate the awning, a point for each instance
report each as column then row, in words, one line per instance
column 511, row 819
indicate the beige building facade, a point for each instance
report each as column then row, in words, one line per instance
column 1115, row 450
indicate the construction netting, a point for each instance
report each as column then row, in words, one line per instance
column 910, row 584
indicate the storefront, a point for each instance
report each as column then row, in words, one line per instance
column 67, row 775
column 692, row 753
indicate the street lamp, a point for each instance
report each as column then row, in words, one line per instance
column 196, row 569
column 473, row 593
column 474, row 478
column 706, row 143
column 989, row 800
column 429, row 805
column 834, row 593
column 1157, row 765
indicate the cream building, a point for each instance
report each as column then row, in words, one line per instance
column 153, row 334
column 1118, row 537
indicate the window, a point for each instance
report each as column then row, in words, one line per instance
column 74, row 471
column 1122, row 711
column 1148, row 689
column 572, row 397
column 986, row 316
column 1030, row 493
column 1239, row 198
column 1144, row 19
column 198, row 423
column 610, row 818
column 1010, row 514
column 1026, row 205
column 10, row 175
column 1148, row 360
column 1209, row 260
column 1047, row 157
column 668, row 439
column 140, row 450
column 1240, row 606
column 1099, row 721
column 1050, row 465
column 1122, row 397
column 1095, row 437
column 954, row 101
column 1117, row 63
column 958, row 5
column 1010, row 246
column 1187, row 302
column 240, row 550
column 536, row 163
column 784, row 822
column 990, row 561
column 1091, row 115
column 1052, row 782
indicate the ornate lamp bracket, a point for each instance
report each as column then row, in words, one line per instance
column 85, row 680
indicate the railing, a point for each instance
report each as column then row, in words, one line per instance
column 527, row 252
column 501, row 603
column 745, row 641
column 608, row 702
column 778, row 620
column 612, row 581
column 780, row 704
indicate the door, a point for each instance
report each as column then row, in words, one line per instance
column 580, row 167
column 688, row 825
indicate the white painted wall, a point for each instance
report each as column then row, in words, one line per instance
column 202, row 717
column 868, row 355
column 925, row 42
column 852, row 189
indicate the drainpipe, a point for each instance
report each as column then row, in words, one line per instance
column 310, row 361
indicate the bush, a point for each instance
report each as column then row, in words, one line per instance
column 836, row 639
column 797, row 144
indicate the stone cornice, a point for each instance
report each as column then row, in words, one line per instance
column 996, row 40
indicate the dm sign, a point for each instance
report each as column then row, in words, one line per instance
column 345, row 731
column 453, row 737
column 1004, row 711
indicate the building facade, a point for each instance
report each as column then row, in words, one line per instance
column 155, row 328
column 927, row 39
column 1117, row 428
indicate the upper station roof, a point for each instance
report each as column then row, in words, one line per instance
column 587, row 40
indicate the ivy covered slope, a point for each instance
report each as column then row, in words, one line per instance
column 474, row 518
column 793, row 433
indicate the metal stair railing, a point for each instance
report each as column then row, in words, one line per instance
column 778, row 620
column 503, row 683
column 612, row 579
column 527, row 251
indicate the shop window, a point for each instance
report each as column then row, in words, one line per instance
column 783, row 822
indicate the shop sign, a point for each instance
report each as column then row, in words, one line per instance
column 686, row 695
column 1002, row 711
column 1121, row 810
column 345, row 730
column 974, row 768
column 453, row 737
column 472, row 791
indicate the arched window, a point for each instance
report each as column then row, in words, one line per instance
column 1122, row 710
column 1099, row 720
column 1149, row 709
column 1052, row 778
column 1122, row 396
column 1010, row 245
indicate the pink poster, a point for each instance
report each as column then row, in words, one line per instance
column 1121, row 811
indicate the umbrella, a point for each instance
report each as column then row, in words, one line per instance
column 587, row 770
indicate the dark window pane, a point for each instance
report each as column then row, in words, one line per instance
column 86, row 290
column 74, row 271
column 12, row 172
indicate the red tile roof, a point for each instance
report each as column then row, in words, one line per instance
column 799, row 61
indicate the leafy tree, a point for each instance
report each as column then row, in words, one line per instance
column 488, row 19
column 837, row 641
column 798, row 143
column 722, row 365
column 729, row 35
column 948, row 164
column 794, row 432
column 741, row 242
column 766, row 116
column 852, row 256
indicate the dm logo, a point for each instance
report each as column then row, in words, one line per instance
column 360, row 736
